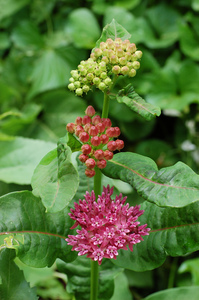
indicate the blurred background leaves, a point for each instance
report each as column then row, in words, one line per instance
column 42, row 40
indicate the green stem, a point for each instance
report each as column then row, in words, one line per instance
column 97, row 191
column 172, row 273
column 94, row 280
column 105, row 106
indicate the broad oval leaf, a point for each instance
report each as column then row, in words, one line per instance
column 174, row 232
column 129, row 97
column 14, row 285
column 19, row 157
column 183, row 293
column 83, row 28
column 21, row 213
column 55, row 179
column 174, row 186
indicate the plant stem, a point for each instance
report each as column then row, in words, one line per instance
column 172, row 273
column 94, row 280
column 105, row 106
column 97, row 191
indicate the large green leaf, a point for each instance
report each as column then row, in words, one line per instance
column 174, row 186
column 174, row 232
column 78, row 273
column 42, row 234
column 129, row 97
column 55, row 179
column 192, row 266
column 113, row 31
column 26, row 36
column 14, row 285
column 83, row 28
column 183, row 293
column 19, row 157
column 9, row 7
column 50, row 71
column 189, row 41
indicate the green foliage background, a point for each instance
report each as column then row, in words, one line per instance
column 42, row 40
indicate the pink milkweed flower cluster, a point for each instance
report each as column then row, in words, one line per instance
column 107, row 225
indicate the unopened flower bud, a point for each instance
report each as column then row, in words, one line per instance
column 95, row 141
column 90, row 163
column 96, row 80
column 124, row 70
column 70, row 127
column 98, row 52
column 100, row 127
column 71, row 80
column 110, row 132
column 90, row 76
column 132, row 73
column 110, row 44
column 108, row 81
column 93, row 131
column 131, row 48
column 86, row 119
column 79, row 92
column 96, row 120
column 78, row 130
column 117, row 131
column 92, row 55
column 118, row 40
column 102, row 86
column 122, row 60
column 101, row 163
column 90, row 111
column 87, row 126
column 71, row 87
column 103, row 45
column 99, row 154
column 102, row 66
column 83, row 71
column 138, row 54
column 77, row 84
column 103, row 75
column 90, row 172
column 104, row 139
column 112, row 146
column 86, row 149
column 108, row 154
column 116, row 70
column 113, row 59
column 120, row 144
column 124, row 44
column 105, row 59
column 120, row 52
column 75, row 74
column 84, row 137
column 107, row 122
column 136, row 65
column 78, row 121
column 85, row 88
column 83, row 158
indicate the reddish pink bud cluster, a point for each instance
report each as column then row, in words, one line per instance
column 96, row 134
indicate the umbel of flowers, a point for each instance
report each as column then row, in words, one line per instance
column 111, row 58
column 96, row 135
column 107, row 225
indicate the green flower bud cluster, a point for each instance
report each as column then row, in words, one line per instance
column 112, row 57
